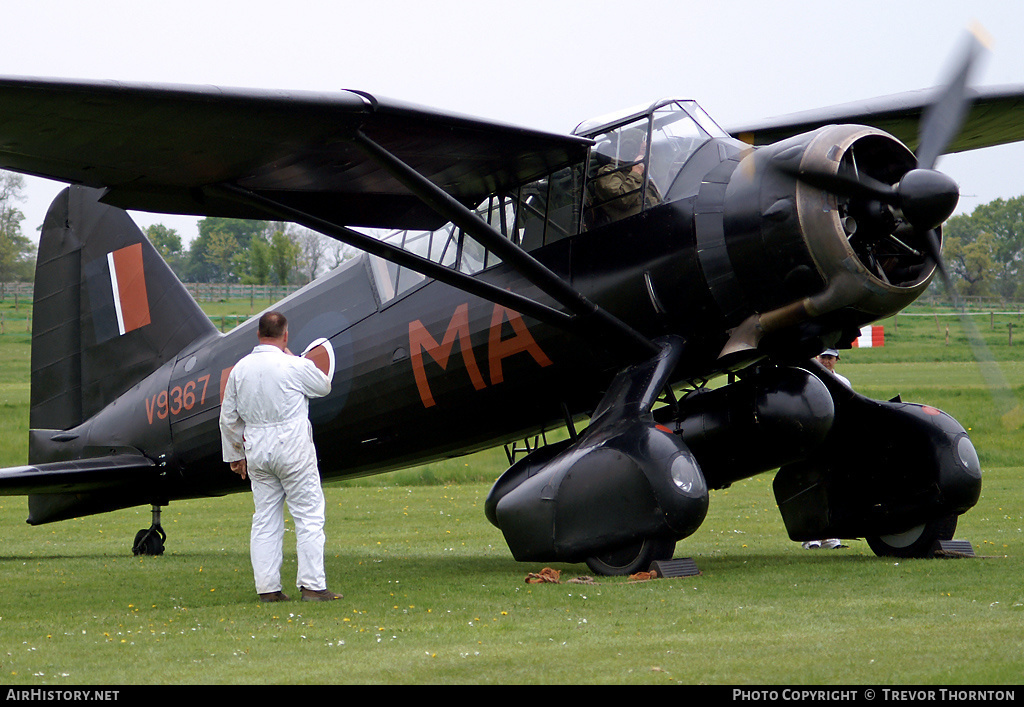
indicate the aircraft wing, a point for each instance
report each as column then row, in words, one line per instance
column 326, row 160
column 996, row 117
column 155, row 147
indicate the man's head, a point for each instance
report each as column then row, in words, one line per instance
column 828, row 358
column 632, row 144
column 273, row 327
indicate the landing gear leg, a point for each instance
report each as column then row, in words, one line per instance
column 150, row 541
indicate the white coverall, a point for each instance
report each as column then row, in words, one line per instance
column 264, row 419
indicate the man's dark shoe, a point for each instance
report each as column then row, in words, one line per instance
column 274, row 596
column 321, row 595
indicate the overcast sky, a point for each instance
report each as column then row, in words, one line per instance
column 547, row 64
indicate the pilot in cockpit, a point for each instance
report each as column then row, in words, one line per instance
column 617, row 190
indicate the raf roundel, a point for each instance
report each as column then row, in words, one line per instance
column 321, row 353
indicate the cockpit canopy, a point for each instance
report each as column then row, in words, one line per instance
column 637, row 154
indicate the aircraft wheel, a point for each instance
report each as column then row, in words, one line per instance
column 149, row 541
column 916, row 542
column 636, row 557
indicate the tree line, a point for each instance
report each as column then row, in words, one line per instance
column 226, row 250
column 983, row 250
column 249, row 252
column 17, row 251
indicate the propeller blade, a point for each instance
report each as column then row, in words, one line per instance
column 926, row 197
column 931, row 242
column 1009, row 408
column 857, row 187
column 1007, row 405
column 943, row 119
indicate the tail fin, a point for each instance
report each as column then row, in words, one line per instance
column 108, row 310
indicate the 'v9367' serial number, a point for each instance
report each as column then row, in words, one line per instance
column 177, row 399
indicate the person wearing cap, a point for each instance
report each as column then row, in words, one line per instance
column 828, row 358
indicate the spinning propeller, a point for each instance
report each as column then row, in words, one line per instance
column 926, row 198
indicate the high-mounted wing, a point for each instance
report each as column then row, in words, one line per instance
column 326, row 160
column 996, row 117
column 156, row 147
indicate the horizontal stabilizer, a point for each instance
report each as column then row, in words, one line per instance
column 75, row 476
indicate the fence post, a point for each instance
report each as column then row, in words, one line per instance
column 1010, row 326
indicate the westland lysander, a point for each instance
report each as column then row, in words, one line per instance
column 513, row 282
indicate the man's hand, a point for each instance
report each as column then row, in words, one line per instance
column 239, row 467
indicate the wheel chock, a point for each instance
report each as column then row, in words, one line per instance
column 952, row 548
column 682, row 567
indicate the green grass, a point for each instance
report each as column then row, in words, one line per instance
column 14, row 398
column 918, row 335
column 433, row 596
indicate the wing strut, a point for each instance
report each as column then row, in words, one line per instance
column 382, row 249
column 529, row 267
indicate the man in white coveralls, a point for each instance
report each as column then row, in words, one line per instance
column 266, row 434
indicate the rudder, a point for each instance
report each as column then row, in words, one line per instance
column 108, row 311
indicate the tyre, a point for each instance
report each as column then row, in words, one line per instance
column 149, row 542
column 916, row 542
column 632, row 558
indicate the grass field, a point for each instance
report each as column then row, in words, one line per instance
column 432, row 595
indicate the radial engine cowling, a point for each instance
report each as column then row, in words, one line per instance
column 795, row 254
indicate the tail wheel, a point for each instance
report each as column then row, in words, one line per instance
column 149, row 541
column 632, row 558
column 916, row 542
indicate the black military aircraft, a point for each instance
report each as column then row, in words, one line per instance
column 513, row 282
